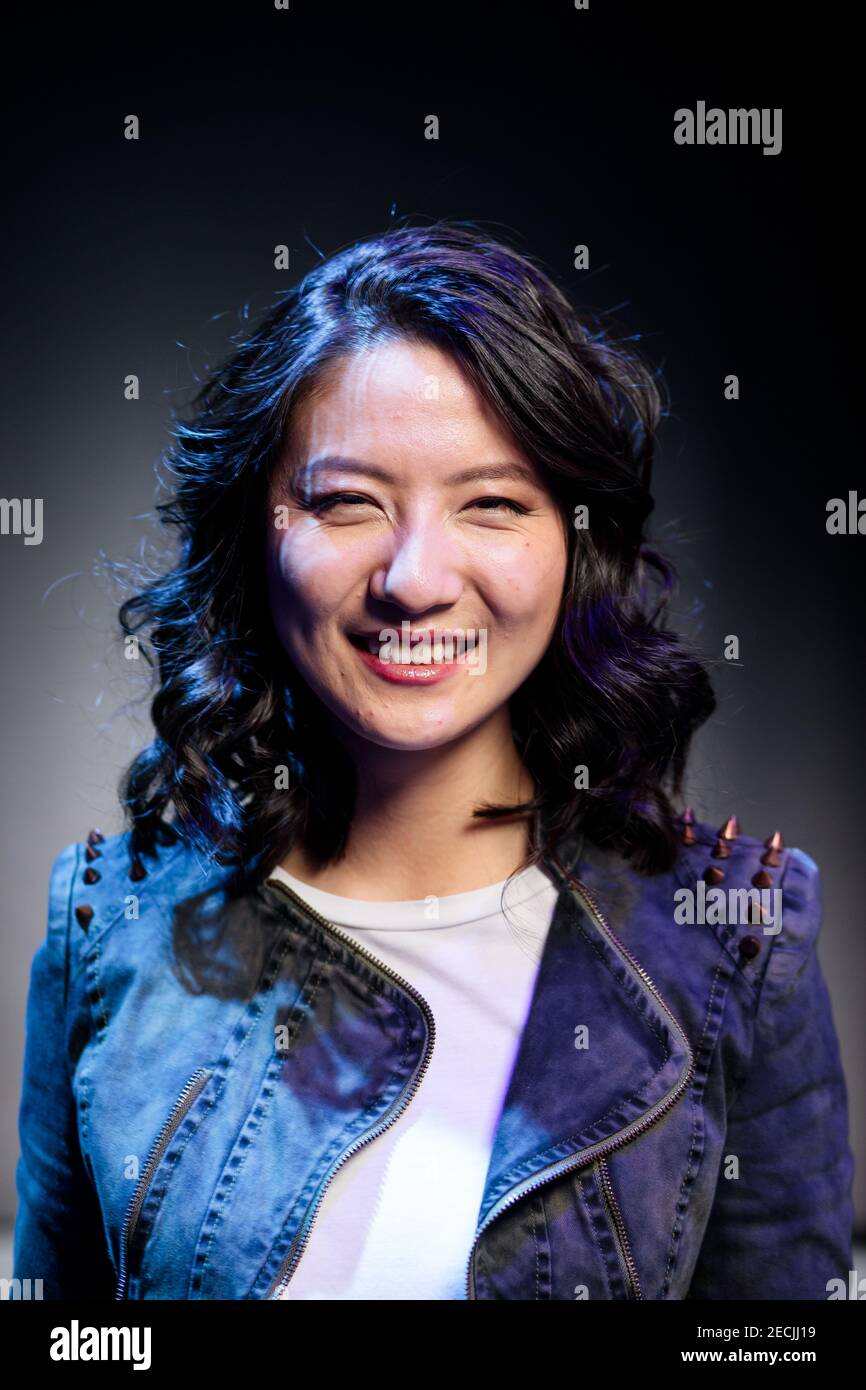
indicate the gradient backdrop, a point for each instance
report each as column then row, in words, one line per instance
column 306, row 127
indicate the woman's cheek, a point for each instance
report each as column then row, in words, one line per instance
column 525, row 588
column 314, row 575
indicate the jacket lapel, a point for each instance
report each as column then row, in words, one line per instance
column 601, row 1057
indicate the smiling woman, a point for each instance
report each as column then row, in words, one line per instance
column 405, row 438
column 438, row 1029
column 408, row 537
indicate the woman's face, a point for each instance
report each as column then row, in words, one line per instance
column 405, row 509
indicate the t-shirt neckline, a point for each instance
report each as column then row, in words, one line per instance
column 452, row 909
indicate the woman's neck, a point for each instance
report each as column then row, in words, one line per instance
column 413, row 834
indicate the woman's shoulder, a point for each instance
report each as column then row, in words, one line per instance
column 748, row 871
column 749, row 892
column 99, row 879
column 735, row 918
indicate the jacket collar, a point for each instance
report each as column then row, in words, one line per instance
column 601, row 1057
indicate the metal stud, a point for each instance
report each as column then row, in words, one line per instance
column 749, row 946
column 762, row 879
column 731, row 829
column 713, row 874
column 91, row 876
column 721, row 849
column 95, row 837
column 772, row 854
column 687, row 836
column 90, row 853
column 84, row 915
column 758, row 914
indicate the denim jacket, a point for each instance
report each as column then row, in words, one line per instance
column 198, row 1065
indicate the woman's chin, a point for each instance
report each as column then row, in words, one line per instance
column 412, row 740
column 414, row 732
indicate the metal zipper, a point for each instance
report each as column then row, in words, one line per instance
column 192, row 1089
column 595, row 1151
column 619, row 1230
column 290, row 1263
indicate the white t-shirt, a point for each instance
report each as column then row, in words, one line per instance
column 399, row 1217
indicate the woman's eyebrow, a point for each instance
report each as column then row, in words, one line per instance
column 512, row 471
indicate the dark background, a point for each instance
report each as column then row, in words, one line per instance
column 306, row 127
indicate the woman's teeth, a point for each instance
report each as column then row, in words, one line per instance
column 374, row 645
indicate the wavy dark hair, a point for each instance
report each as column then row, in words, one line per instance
column 615, row 691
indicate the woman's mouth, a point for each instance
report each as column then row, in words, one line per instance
column 388, row 660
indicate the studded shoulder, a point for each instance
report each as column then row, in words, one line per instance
column 720, row 844
column 106, row 867
column 726, row 856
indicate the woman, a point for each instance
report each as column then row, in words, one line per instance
column 405, row 981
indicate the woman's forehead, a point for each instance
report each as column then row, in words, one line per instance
column 401, row 406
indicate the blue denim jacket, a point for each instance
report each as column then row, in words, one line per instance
column 198, row 1066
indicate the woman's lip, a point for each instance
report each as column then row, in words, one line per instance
column 408, row 673
column 432, row 634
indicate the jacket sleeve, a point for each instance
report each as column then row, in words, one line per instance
column 59, row 1234
column 783, row 1227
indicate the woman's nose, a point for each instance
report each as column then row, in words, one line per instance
column 421, row 571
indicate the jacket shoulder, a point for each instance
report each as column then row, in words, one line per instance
column 729, row 858
column 92, row 880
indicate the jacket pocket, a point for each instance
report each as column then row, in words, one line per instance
column 190, row 1093
column 600, row 1262
column 618, row 1230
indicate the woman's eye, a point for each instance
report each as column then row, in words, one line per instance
column 492, row 504
column 321, row 505
column 324, row 504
